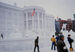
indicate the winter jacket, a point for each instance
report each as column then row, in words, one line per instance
column 53, row 39
column 57, row 38
column 61, row 47
column 36, row 42
column 70, row 40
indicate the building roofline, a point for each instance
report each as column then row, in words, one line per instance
column 49, row 15
column 10, row 6
column 36, row 7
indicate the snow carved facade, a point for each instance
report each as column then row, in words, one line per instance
column 18, row 22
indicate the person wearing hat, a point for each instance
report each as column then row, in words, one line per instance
column 61, row 46
column 70, row 40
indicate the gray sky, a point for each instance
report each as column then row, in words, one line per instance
column 61, row 8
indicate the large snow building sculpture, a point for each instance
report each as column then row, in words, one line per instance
column 18, row 22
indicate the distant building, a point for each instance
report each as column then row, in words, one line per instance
column 18, row 22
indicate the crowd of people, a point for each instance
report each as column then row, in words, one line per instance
column 57, row 42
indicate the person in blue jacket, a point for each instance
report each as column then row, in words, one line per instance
column 57, row 38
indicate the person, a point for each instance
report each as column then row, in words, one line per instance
column 57, row 38
column 61, row 47
column 70, row 40
column 2, row 36
column 53, row 42
column 36, row 44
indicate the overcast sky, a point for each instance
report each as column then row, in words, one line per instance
column 61, row 8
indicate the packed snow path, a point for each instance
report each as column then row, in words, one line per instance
column 24, row 45
column 27, row 45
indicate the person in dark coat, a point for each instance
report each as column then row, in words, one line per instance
column 36, row 44
column 70, row 40
column 2, row 36
column 61, row 47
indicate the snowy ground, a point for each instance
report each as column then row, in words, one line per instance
column 27, row 44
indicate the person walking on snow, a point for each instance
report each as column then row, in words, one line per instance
column 61, row 47
column 70, row 40
column 2, row 36
column 36, row 44
column 53, row 42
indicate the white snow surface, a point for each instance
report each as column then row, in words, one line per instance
column 27, row 44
